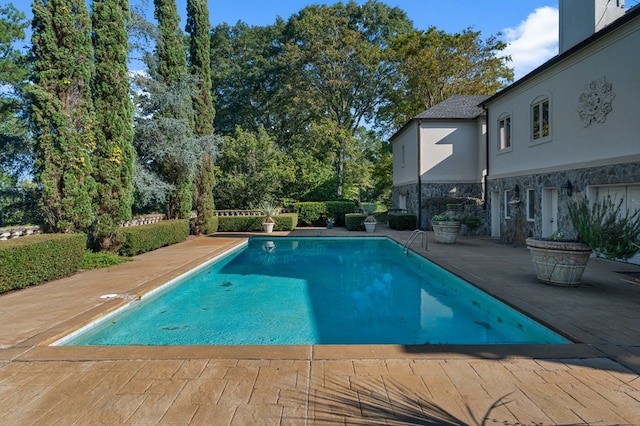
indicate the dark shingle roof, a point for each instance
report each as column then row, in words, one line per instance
column 456, row 107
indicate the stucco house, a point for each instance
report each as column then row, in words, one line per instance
column 569, row 128
column 440, row 156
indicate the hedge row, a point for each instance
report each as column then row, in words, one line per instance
column 402, row 221
column 210, row 225
column 316, row 213
column 283, row 222
column 38, row 258
column 355, row 221
column 144, row 238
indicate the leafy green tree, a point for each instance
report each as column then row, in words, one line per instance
column 251, row 85
column 341, row 54
column 61, row 112
column 198, row 27
column 113, row 158
column 167, row 150
column 435, row 65
column 252, row 170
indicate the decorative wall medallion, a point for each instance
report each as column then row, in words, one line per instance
column 595, row 102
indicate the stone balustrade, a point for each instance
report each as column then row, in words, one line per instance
column 238, row 213
column 18, row 231
column 144, row 220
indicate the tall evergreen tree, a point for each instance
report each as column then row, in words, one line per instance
column 113, row 158
column 61, row 111
column 198, row 27
column 170, row 52
column 171, row 71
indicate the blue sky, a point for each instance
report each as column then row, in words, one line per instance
column 529, row 26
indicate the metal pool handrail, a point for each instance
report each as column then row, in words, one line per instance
column 424, row 244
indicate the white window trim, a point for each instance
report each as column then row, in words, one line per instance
column 531, row 197
column 507, row 206
column 503, row 117
column 538, row 102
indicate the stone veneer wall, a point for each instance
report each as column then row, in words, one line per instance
column 435, row 196
column 517, row 229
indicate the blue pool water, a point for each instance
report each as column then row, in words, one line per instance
column 286, row 291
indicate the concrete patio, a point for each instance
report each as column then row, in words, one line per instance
column 594, row 381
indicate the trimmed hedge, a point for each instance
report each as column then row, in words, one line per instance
column 283, row 222
column 38, row 258
column 338, row 210
column 311, row 213
column 402, row 221
column 354, row 221
column 141, row 239
column 316, row 213
column 210, row 226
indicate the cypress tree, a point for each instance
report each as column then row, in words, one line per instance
column 113, row 159
column 171, row 71
column 172, row 58
column 198, row 27
column 61, row 112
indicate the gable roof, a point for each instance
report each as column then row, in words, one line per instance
column 629, row 16
column 455, row 107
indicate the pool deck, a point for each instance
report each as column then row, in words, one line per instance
column 592, row 382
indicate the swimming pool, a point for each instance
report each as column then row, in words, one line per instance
column 288, row 291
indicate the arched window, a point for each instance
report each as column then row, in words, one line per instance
column 541, row 119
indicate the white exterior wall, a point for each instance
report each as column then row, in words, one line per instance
column 405, row 170
column 572, row 144
column 450, row 151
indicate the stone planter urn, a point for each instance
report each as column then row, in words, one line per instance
column 559, row 263
column 446, row 232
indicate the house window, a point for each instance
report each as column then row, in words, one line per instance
column 507, row 206
column 504, row 133
column 531, row 205
column 540, row 120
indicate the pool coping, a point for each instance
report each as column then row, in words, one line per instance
column 37, row 348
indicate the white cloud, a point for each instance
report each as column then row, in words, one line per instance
column 534, row 41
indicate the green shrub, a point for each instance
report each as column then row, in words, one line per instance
column 402, row 221
column 210, row 225
column 311, row 213
column 283, row 222
column 32, row 260
column 354, row 221
column 99, row 260
column 286, row 222
column 240, row 223
column 338, row 209
column 316, row 213
column 141, row 239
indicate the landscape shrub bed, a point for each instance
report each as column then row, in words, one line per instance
column 210, row 225
column 354, row 221
column 39, row 258
column 402, row 221
column 141, row 239
column 311, row 213
column 283, row 222
column 316, row 213
column 338, row 210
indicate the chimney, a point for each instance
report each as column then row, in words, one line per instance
column 579, row 19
